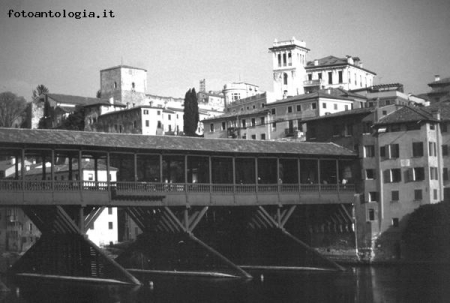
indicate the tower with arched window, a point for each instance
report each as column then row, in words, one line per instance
column 289, row 60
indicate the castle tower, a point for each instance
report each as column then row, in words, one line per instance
column 289, row 60
column 124, row 84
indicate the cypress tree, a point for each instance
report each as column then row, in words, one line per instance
column 191, row 115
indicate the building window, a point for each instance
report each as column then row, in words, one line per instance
column 444, row 150
column 285, row 78
column 159, row 124
column 369, row 151
column 432, row 149
column 273, row 111
column 341, row 80
column 417, row 174
column 243, row 123
column 274, row 125
column 263, row 136
column 435, row 194
column 418, row 194
column 444, row 127
column 346, row 107
column 373, row 196
column 432, row 126
column 395, row 195
column 263, row 120
column 145, row 111
column 390, row 151
column 253, row 122
column 392, row 175
column 158, row 113
column 147, row 123
column 223, row 126
column 330, row 78
column 371, row 214
column 211, row 127
column 417, row 149
column 335, row 106
column 433, row 173
column 170, row 117
column 349, row 130
column 289, row 109
column 110, row 225
column 110, row 211
column 253, row 137
column 90, row 177
column 395, row 222
column 370, row 174
column 314, row 105
column 319, row 76
column 324, row 105
column 299, row 108
column 445, row 173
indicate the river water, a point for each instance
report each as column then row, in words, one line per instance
column 422, row 283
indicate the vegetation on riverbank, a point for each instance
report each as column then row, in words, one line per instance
column 427, row 235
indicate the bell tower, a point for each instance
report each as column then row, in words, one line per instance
column 289, row 60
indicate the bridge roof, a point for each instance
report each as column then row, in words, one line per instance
column 36, row 138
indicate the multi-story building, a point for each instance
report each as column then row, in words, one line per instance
column 440, row 89
column 333, row 72
column 388, row 94
column 238, row 90
column 403, row 159
column 259, row 117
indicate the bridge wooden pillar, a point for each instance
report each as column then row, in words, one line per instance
column 64, row 251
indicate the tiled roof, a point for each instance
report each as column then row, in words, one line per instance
column 335, row 93
column 239, row 113
column 407, row 114
column 441, row 81
column 123, row 66
column 332, row 61
column 342, row 114
column 111, row 141
column 76, row 100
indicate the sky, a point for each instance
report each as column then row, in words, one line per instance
column 180, row 42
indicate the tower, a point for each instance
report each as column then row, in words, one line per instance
column 124, row 84
column 289, row 60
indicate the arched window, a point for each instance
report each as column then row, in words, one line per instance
column 285, row 78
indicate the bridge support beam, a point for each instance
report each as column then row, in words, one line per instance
column 64, row 251
column 169, row 244
column 281, row 219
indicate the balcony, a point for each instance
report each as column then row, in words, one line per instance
column 317, row 82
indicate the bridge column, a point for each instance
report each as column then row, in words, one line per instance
column 64, row 251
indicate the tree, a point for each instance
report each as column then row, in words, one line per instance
column 191, row 116
column 12, row 108
column 75, row 121
column 40, row 89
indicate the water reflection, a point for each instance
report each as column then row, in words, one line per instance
column 361, row 284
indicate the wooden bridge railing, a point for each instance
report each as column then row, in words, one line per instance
column 62, row 186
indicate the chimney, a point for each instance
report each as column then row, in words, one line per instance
column 316, row 62
column 111, row 100
column 437, row 77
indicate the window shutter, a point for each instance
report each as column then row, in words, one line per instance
column 387, row 176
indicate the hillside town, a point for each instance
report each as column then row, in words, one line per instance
column 400, row 139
